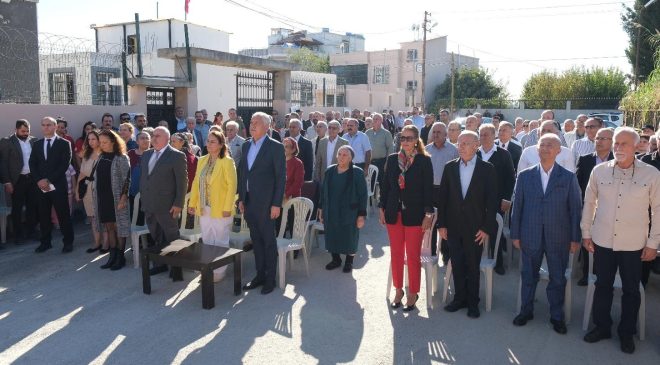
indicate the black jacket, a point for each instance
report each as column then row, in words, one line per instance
column 11, row 158
column 417, row 197
column 463, row 217
column 515, row 151
column 585, row 164
column 506, row 175
column 306, row 155
column 53, row 169
column 652, row 159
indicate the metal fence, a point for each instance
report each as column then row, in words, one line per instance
column 43, row 68
column 577, row 103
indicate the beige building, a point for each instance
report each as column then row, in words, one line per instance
column 392, row 79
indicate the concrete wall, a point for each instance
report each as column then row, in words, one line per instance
column 76, row 115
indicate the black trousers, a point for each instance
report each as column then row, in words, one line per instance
column 25, row 195
column 629, row 265
column 465, row 259
column 264, row 243
column 58, row 199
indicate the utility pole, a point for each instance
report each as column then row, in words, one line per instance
column 423, row 97
column 451, row 97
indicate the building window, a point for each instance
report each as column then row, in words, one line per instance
column 131, row 44
column 381, row 74
column 345, row 47
column 411, row 55
column 411, row 85
column 352, row 74
column 62, row 88
column 106, row 93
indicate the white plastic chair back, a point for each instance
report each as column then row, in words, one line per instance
column 372, row 179
column 302, row 209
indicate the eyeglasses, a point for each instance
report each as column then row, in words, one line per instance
column 407, row 139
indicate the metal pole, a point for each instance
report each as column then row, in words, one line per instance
column 137, row 44
column 424, row 25
column 185, row 29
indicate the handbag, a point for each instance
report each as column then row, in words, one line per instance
column 82, row 184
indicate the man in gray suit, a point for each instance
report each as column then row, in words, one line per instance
column 326, row 153
column 261, row 180
column 163, row 185
column 234, row 141
column 15, row 175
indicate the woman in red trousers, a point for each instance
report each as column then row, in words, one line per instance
column 406, row 208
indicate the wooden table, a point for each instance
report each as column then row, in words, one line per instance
column 194, row 256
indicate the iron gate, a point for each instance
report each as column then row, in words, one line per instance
column 254, row 93
column 160, row 105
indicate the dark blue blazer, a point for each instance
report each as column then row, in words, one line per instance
column 266, row 178
column 556, row 212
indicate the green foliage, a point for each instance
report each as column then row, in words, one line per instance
column 470, row 86
column 646, row 23
column 310, row 61
column 642, row 106
column 574, row 84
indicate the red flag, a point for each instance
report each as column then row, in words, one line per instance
column 187, row 2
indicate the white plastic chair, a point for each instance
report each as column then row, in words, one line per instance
column 588, row 303
column 302, row 208
column 194, row 234
column 429, row 264
column 5, row 211
column 544, row 274
column 313, row 238
column 137, row 232
column 487, row 265
column 238, row 239
column 372, row 175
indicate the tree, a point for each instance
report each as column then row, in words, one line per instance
column 469, row 84
column 643, row 23
column 310, row 61
column 580, row 85
column 642, row 106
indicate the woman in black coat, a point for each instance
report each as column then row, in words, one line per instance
column 406, row 208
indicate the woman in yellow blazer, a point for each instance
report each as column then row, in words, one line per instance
column 213, row 194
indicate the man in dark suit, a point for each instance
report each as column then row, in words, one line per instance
column 505, row 140
column 178, row 122
column 545, row 220
column 261, row 180
column 18, row 182
column 467, row 218
column 306, row 150
column 49, row 160
column 585, row 165
column 506, row 178
column 191, row 123
column 163, row 185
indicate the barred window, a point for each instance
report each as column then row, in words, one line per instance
column 62, row 88
column 411, row 55
column 381, row 74
column 106, row 93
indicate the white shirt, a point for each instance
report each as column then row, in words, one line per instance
column 486, row 155
column 330, row 151
column 52, row 142
column 466, row 171
column 545, row 177
column 154, row 158
column 582, row 147
column 26, row 149
column 311, row 132
column 530, row 157
column 520, row 135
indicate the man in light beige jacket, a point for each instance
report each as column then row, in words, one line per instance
column 615, row 229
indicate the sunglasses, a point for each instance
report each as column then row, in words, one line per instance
column 407, row 139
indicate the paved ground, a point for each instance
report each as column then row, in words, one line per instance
column 62, row 309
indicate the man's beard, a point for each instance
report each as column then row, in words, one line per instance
column 22, row 138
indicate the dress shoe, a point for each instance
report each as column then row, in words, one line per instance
column 112, row 257
column 455, row 306
column 255, row 283
column 499, row 270
column 521, row 319
column 93, row 249
column 596, row 335
column 582, row 282
column 627, row 344
column 120, row 261
column 67, row 248
column 247, row 247
column 267, row 289
column 157, row 270
column 397, row 303
column 333, row 265
column 473, row 312
column 348, row 267
column 410, row 307
column 559, row 326
column 43, row 248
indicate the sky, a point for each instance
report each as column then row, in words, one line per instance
column 512, row 38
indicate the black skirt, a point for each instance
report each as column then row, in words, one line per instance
column 105, row 199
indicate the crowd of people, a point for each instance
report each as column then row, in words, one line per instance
column 572, row 188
